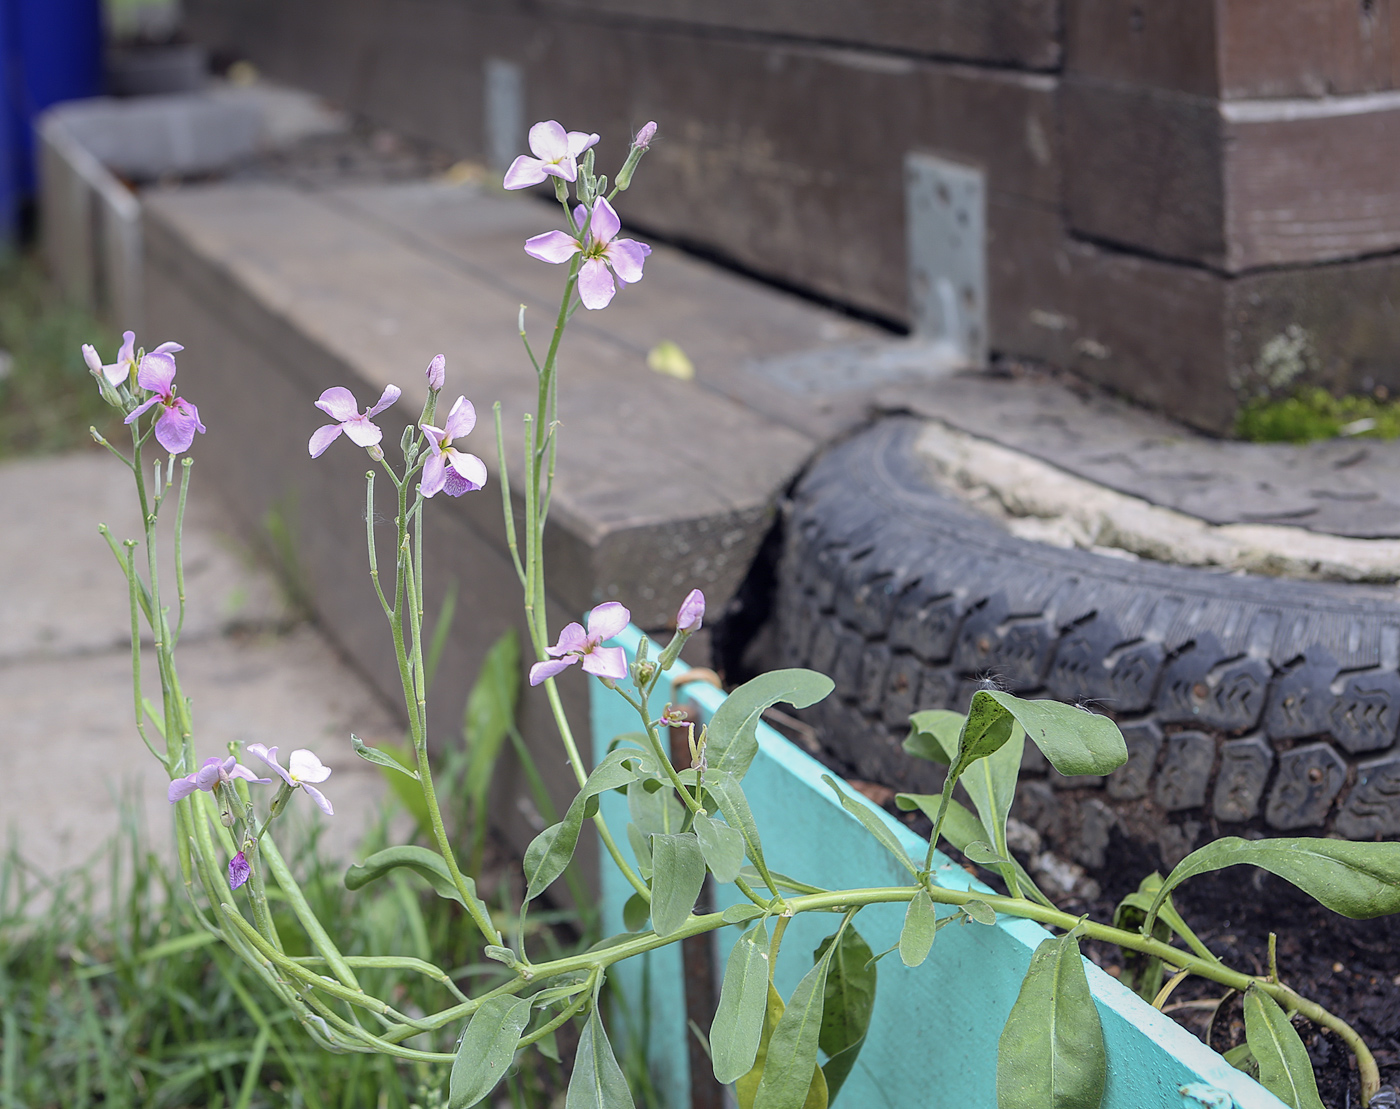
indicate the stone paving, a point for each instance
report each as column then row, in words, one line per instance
column 69, row 750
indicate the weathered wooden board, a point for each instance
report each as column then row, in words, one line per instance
column 1006, row 32
column 1237, row 48
column 1237, row 185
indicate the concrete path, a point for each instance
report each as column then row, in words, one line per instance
column 69, row 751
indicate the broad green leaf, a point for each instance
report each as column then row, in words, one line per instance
column 635, row 913
column 743, row 995
column 790, row 1066
column 655, row 811
column 746, row 1088
column 986, row 730
column 486, row 1050
column 1242, row 1059
column 1075, row 740
column 991, row 783
column 1284, row 1068
column 640, row 842
column 427, row 864
column 933, row 735
column 962, row 829
column 983, row 854
column 722, row 846
column 1051, row 1053
column 597, row 1081
column 549, row 852
column 980, row 911
column 678, row 872
column 379, row 758
column 1359, row 880
column 847, row 1003
column 737, row 914
column 873, row 824
column 731, row 737
column 920, row 926
column 729, row 796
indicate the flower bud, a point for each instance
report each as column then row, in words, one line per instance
column 376, row 452
column 94, row 363
column 437, row 373
column 238, row 871
column 644, row 136
column 691, row 616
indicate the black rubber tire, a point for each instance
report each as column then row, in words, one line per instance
column 1247, row 702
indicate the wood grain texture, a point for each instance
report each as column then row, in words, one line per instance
column 1237, row 49
column 1006, row 32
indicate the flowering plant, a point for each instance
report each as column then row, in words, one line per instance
column 689, row 821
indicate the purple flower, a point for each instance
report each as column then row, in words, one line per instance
column 609, row 263
column 604, row 622
column 691, row 616
column 177, row 424
column 437, row 373
column 238, row 871
column 340, row 404
column 302, row 768
column 448, row 469
column 125, row 365
column 214, row 771
column 556, row 155
column 645, row 135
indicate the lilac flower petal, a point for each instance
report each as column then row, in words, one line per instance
column 305, row 767
column 241, row 771
column 605, row 222
column 461, row 419
column 238, row 871
column 552, row 246
column 117, row 372
column 127, row 351
column 435, row 436
column 176, row 427
column 606, row 662
column 580, row 216
column 607, row 620
column 320, row 799
column 361, row 431
column 579, row 141
column 156, row 373
column 434, row 474
column 338, row 403
column 181, row 788
column 548, row 669
column 691, row 616
column 595, row 284
column 469, row 468
column 626, row 257
column 322, row 438
column 207, row 776
column 135, row 412
column 391, row 393
column 565, row 169
column 456, row 485
column 437, row 372
column 524, row 172
column 572, row 638
column 269, row 756
column 167, row 348
column 549, row 141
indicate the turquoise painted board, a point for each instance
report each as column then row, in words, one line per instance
column 934, row 1030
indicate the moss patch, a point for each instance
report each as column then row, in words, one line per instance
column 1313, row 414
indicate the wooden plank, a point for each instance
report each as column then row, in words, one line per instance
column 1005, row 32
column 1237, row 49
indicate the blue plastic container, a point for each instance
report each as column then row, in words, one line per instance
column 50, row 50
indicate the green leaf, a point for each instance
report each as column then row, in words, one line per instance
column 722, row 845
column 486, row 1050
column 635, row 913
column 732, row 735
column 1359, row 880
column 738, row 1023
column 1051, row 1053
column 1141, row 973
column 873, row 824
column 920, row 927
column 549, row 852
column 1284, row 1068
column 379, row 758
column 640, row 842
column 737, row 914
column 678, row 872
column 654, row 811
column 407, row 791
column 790, row 1066
column 980, row 911
column 983, row 854
column 847, row 1002
column 991, row 783
column 933, row 735
column 1075, row 740
column 729, row 796
column 962, row 829
column 1242, row 1059
column 428, row 865
column 597, row 1081
column 487, row 719
column 746, row 1089
column 784, row 882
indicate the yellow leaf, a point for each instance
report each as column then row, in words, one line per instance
column 667, row 358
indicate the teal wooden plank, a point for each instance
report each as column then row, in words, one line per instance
column 935, row 1027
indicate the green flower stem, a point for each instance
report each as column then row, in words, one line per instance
column 563, row 1018
column 390, row 962
column 306, row 916
column 185, row 464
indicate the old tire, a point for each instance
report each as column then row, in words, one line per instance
column 1248, row 703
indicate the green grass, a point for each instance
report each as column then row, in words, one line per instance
column 111, row 995
column 1313, row 414
column 47, row 397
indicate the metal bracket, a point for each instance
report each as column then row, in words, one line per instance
column 946, row 227
column 505, row 112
